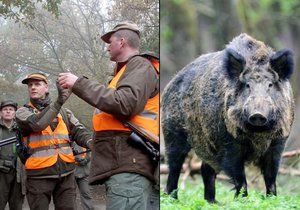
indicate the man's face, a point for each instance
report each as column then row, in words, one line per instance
column 8, row 113
column 37, row 89
column 114, row 47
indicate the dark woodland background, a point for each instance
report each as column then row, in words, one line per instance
column 189, row 28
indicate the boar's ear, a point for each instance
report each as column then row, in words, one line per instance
column 234, row 63
column 283, row 63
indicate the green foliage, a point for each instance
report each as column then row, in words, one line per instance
column 256, row 15
column 178, row 15
column 289, row 7
column 167, row 34
column 26, row 9
column 192, row 198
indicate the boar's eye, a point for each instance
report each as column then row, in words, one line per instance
column 247, row 85
column 270, row 85
column 250, row 45
column 262, row 60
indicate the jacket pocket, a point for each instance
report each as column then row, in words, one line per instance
column 4, row 167
column 135, row 159
column 125, row 191
column 105, row 157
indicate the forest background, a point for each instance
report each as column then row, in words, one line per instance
column 59, row 35
column 190, row 28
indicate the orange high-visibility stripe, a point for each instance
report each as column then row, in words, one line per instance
column 48, row 157
column 148, row 119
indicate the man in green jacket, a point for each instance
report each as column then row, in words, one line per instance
column 11, row 169
column 47, row 128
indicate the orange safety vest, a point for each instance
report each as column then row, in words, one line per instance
column 47, row 145
column 147, row 119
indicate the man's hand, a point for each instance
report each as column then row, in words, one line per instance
column 67, row 80
column 63, row 94
column 81, row 161
column 90, row 144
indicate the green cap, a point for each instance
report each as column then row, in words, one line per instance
column 8, row 103
column 124, row 25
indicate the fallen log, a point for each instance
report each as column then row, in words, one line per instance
column 291, row 153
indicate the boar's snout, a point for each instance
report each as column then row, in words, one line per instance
column 257, row 119
column 259, row 114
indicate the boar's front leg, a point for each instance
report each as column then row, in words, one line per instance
column 269, row 165
column 209, row 178
column 232, row 163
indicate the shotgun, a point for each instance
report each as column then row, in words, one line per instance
column 145, row 140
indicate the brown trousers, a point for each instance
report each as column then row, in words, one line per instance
column 63, row 190
column 11, row 191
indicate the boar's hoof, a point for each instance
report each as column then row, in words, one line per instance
column 174, row 194
column 212, row 201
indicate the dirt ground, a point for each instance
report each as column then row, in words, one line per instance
column 98, row 194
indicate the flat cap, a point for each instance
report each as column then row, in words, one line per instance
column 36, row 76
column 8, row 103
column 124, row 25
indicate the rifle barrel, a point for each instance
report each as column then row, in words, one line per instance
column 143, row 132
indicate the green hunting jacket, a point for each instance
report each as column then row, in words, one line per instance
column 8, row 153
column 34, row 120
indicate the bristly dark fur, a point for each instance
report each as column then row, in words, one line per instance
column 233, row 107
column 283, row 63
column 234, row 63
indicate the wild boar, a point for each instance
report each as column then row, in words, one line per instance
column 232, row 107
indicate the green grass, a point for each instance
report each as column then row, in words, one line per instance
column 191, row 198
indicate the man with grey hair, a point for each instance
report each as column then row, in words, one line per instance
column 12, row 173
column 132, row 95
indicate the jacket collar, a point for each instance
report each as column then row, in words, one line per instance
column 119, row 65
column 40, row 104
column 14, row 124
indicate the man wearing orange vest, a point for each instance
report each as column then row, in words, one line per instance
column 132, row 95
column 45, row 127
